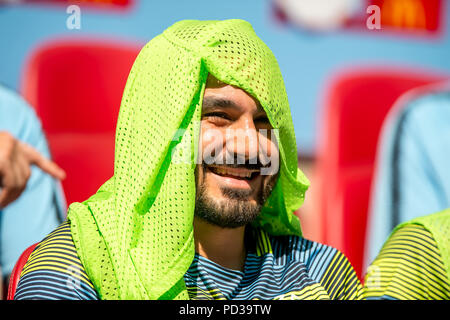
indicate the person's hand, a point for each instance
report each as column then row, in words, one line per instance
column 16, row 159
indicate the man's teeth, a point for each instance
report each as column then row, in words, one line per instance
column 240, row 174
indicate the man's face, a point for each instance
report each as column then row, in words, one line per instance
column 237, row 148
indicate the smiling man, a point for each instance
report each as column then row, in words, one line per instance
column 205, row 184
column 233, row 187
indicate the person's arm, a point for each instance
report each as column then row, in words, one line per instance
column 409, row 267
column 33, row 207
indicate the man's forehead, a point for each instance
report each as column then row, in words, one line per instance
column 226, row 98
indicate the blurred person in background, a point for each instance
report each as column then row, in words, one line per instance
column 412, row 176
column 31, row 201
column 414, row 263
column 412, row 180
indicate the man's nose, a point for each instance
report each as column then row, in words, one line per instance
column 242, row 142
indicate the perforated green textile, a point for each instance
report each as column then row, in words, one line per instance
column 135, row 235
column 439, row 226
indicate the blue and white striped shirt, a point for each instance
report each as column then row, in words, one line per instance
column 284, row 267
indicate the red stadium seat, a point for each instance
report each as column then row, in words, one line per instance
column 76, row 87
column 356, row 104
column 15, row 274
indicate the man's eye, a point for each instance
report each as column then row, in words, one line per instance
column 217, row 116
column 262, row 119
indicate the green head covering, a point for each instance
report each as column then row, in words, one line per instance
column 135, row 235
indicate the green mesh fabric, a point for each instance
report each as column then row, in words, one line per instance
column 439, row 226
column 135, row 235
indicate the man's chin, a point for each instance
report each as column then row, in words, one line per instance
column 232, row 194
column 228, row 212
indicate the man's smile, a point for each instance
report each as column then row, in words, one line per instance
column 233, row 177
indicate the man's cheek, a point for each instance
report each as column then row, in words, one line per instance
column 210, row 147
column 273, row 167
column 269, row 156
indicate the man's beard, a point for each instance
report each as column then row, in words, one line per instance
column 236, row 209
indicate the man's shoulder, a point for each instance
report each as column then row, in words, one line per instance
column 302, row 248
column 54, row 270
column 325, row 264
column 317, row 257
